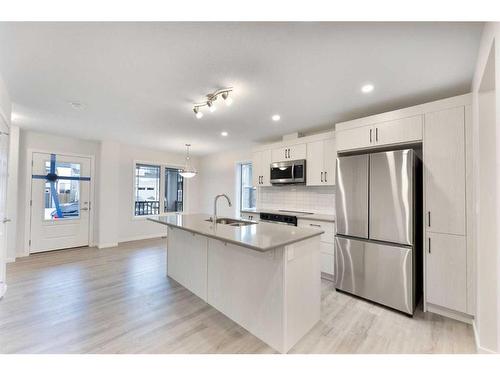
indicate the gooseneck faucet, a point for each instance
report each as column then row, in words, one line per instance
column 215, row 205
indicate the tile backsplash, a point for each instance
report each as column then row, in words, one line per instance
column 319, row 199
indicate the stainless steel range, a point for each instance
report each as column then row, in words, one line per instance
column 377, row 245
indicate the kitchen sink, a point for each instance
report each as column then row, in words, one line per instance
column 232, row 222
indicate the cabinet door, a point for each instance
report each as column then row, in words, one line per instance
column 399, row 131
column 256, row 168
column 279, row 154
column 265, row 168
column 352, row 139
column 315, row 163
column 444, row 165
column 446, row 270
column 330, row 161
column 297, row 152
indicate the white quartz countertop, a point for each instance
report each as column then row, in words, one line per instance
column 311, row 216
column 260, row 236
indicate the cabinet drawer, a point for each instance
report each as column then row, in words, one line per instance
column 326, row 263
column 328, row 227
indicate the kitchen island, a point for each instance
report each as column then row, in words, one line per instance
column 264, row 276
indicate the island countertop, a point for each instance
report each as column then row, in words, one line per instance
column 260, row 236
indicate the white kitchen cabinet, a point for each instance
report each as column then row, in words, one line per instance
column 250, row 216
column 355, row 138
column 261, row 168
column 444, row 167
column 291, row 152
column 326, row 244
column 400, row 131
column 446, row 271
column 403, row 130
column 321, row 162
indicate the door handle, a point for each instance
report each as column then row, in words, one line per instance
column 6, row 220
column 84, row 209
column 321, row 176
column 370, row 135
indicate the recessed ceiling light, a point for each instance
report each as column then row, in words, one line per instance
column 276, row 117
column 365, row 89
column 224, row 134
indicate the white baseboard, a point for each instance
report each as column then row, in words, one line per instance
column 105, row 245
column 465, row 318
column 10, row 260
column 143, row 237
column 479, row 348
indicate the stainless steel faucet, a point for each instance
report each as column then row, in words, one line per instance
column 215, row 205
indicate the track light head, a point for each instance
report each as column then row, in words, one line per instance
column 227, row 99
column 197, row 112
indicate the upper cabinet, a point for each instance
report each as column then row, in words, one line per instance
column 405, row 130
column 444, row 160
column 261, row 168
column 292, row 152
column 321, row 161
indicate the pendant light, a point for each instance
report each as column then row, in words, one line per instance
column 188, row 171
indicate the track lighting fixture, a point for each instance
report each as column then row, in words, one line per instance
column 211, row 98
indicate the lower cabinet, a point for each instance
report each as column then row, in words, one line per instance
column 326, row 245
column 446, row 270
column 249, row 216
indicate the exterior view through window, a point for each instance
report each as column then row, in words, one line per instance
column 174, row 190
column 68, row 192
column 147, row 189
column 247, row 191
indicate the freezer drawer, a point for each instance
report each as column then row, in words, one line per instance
column 391, row 196
column 381, row 273
column 351, row 199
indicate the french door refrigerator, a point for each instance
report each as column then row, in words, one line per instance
column 375, row 244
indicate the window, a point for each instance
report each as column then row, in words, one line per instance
column 62, row 200
column 247, row 191
column 147, row 189
column 174, row 190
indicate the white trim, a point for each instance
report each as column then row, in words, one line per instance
column 10, row 260
column 105, row 245
column 479, row 348
column 465, row 318
column 4, row 118
column 27, row 214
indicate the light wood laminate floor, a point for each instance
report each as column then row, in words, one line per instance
column 119, row 300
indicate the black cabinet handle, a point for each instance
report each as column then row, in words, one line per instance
column 428, row 219
column 370, row 135
column 325, row 177
column 321, row 176
column 429, row 249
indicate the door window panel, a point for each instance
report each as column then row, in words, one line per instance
column 62, row 200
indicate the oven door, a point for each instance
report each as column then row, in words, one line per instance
column 282, row 173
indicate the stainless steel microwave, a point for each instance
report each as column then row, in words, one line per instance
column 288, row 172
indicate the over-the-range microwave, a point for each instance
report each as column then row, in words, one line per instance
column 288, row 172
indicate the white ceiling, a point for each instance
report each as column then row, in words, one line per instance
column 138, row 81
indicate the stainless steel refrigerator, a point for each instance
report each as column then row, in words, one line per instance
column 376, row 243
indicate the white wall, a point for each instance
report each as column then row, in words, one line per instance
column 218, row 174
column 5, row 104
column 130, row 227
column 486, row 163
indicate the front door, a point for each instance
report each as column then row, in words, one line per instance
column 60, row 202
